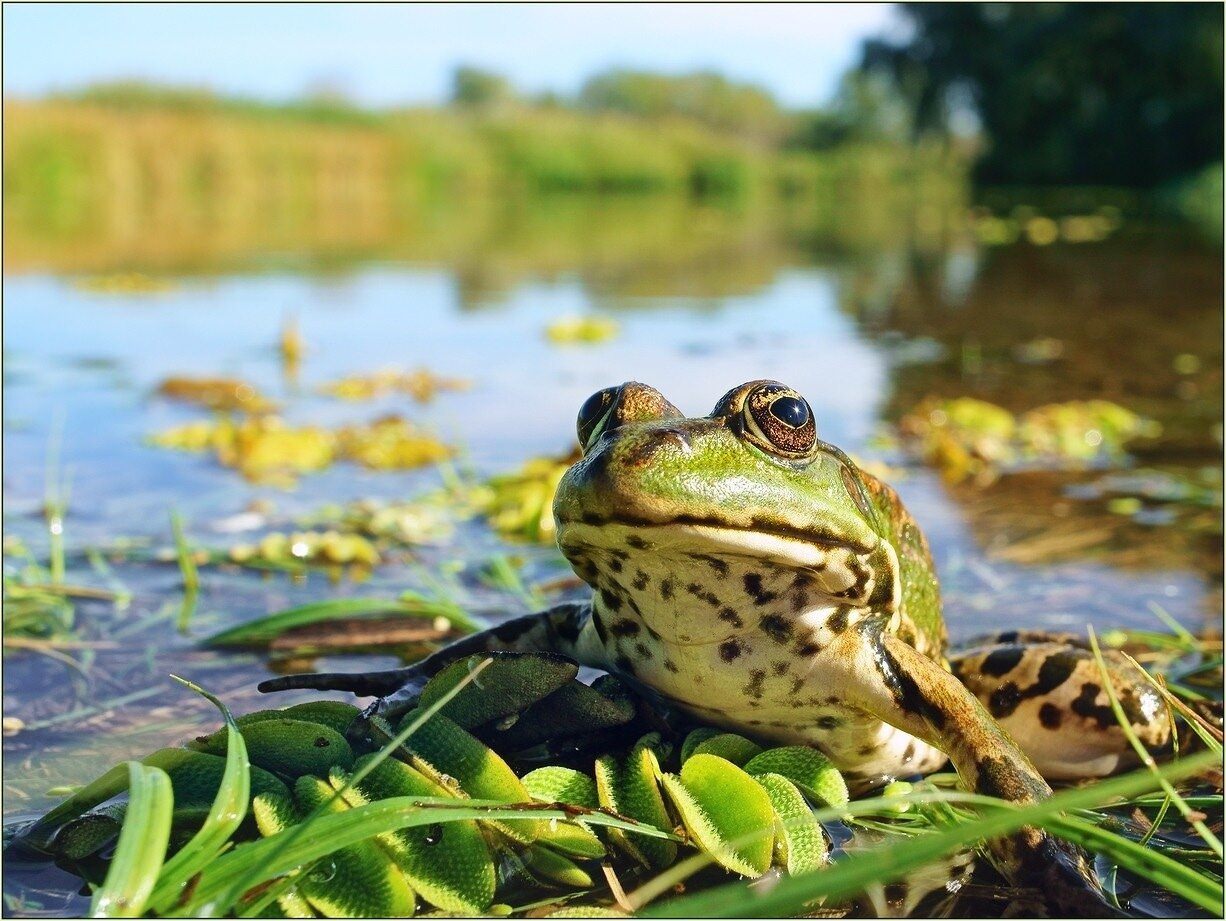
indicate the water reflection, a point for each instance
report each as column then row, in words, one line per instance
column 864, row 311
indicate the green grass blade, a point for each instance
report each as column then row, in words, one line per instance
column 141, row 847
column 187, row 566
column 262, row 631
column 250, row 877
column 270, row 857
column 1144, row 861
column 848, row 877
column 226, row 814
column 1146, row 758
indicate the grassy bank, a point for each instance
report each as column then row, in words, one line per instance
column 160, row 171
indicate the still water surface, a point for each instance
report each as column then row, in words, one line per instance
column 864, row 330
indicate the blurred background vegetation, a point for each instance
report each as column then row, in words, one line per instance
column 1039, row 98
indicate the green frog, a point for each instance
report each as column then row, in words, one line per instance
column 749, row 573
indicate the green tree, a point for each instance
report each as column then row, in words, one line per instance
column 472, row 87
column 737, row 108
column 1099, row 93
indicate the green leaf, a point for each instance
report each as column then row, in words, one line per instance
column 227, row 813
column 141, row 848
column 1145, row 861
column 848, row 877
column 800, row 843
column 720, row 804
column 262, row 631
column 270, row 857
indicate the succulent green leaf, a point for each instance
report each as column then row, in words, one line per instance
column 292, row 748
column 726, row 812
column 449, row 864
column 695, row 738
column 727, row 745
column 551, row 867
column 800, row 843
column 555, row 784
column 453, row 752
column 806, row 767
column 356, row 881
column 631, row 788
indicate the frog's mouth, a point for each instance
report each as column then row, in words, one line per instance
column 737, row 567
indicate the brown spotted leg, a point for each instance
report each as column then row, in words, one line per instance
column 892, row 681
column 1046, row 691
column 556, row 630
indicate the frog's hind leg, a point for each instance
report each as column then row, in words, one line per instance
column 885, row 677
column 558, row 630
column 1047, row 693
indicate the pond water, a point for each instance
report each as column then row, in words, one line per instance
column 864, row 327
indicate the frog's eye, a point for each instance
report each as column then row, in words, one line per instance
column 780, row 420
column 593, row 415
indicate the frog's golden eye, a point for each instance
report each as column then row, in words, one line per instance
column 593, row 415
column 780, row 420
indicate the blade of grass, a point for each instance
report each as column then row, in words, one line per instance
column 1144, row 861
column 226, row 814
column 1143, row 754
column 1190, row 641
column 788, row 896
column 141, row 847
column 55, row 500
column 269, row 857
column 232, row 894
column 187, row 566
column 261, row 632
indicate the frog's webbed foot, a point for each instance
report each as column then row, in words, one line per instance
column 360, row 684
column 1061, row 874
column 557, row 630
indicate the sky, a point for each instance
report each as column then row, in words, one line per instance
column 385, row 54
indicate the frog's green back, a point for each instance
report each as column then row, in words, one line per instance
column 921, row 593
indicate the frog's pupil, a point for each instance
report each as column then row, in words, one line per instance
column 791, row 411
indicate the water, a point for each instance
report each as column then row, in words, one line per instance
column 864, row 328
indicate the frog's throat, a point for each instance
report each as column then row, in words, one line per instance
column 843, row 573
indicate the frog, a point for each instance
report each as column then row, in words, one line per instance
column 748, row 573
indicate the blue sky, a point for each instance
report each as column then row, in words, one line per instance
column 383, row 54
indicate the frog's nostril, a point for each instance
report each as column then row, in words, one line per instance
column 677, row 436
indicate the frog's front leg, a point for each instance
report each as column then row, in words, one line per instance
column 565, row 630
column 884, row 676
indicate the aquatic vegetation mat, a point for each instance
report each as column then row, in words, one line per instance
column 217, row 393
column 512, row 788
column 581, row 330
column 266, row 449
column 422, row 384
column 966, row 438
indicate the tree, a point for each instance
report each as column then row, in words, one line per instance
column 475, row 88
column 1102, row 93
column 737, row 108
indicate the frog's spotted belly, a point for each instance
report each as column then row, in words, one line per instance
column 744, row 646
column 860, row 744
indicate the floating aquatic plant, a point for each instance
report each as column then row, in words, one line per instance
column 422, row 384
column 216, row 393
column 344, row 815
column 968, row 438
column 581, row 330
column 266, row 449
column 520, row 504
